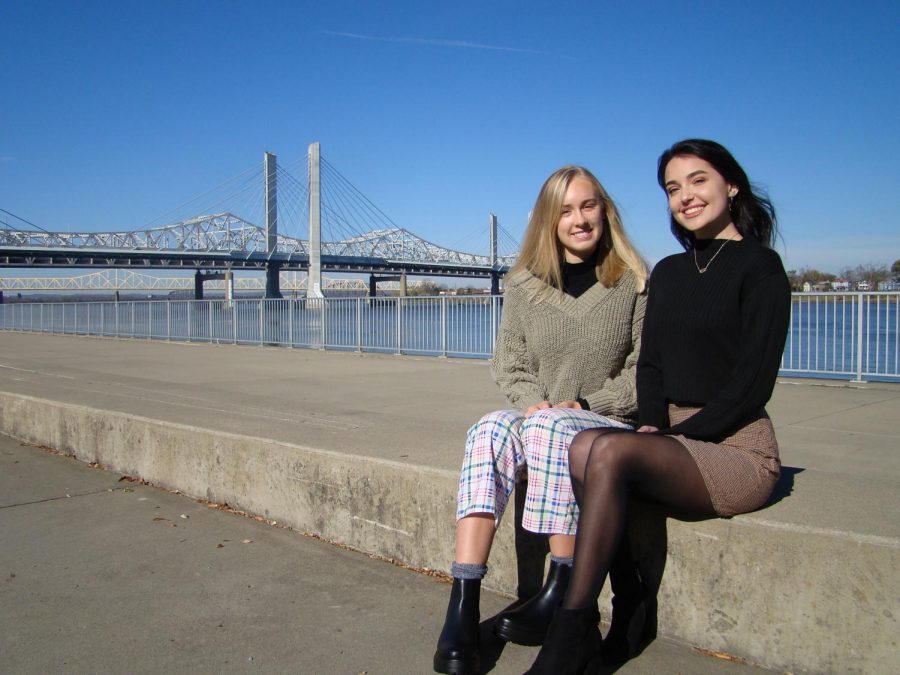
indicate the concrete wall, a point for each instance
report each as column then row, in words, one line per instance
column 788, row 598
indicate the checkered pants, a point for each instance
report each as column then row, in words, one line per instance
column 502, row 444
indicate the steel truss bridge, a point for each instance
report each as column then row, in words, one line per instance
column 223, row 241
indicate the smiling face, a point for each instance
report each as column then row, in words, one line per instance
column 580, row 221
column 699, row 197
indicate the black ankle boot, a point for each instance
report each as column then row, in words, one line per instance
column 632, row 628
column 457, row 648
column 573, row 640
column 527, row 624
column 633, row 624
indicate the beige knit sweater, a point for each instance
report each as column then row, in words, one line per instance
column 553, row 347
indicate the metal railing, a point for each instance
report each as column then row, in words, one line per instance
column 432, row 326
column 847, row 335
column 853, row 335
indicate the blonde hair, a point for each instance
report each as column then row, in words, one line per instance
column 542, row 253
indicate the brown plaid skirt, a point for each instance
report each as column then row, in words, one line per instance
column 741, row 471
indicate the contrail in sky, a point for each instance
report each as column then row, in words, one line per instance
column 439, row 43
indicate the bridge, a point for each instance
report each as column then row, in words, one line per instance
column 129, row 280
column 363, row 239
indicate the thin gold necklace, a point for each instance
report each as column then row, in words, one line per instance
column 706, row 266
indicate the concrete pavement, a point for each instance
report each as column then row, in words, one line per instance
column 103, row 575
column 365, row 450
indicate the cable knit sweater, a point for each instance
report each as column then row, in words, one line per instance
column 553, row 347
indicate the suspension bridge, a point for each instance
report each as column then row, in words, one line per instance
column 249, row 229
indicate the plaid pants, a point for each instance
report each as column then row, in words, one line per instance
column 502, row 444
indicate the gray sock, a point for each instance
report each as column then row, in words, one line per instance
column 468, row 570
column 562, row 561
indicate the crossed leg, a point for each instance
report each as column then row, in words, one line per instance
column 608, row 465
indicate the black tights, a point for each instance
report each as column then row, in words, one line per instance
column 608, row 465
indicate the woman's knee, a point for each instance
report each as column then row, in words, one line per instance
column 610, row 454
column 545, row 429
column 497, row 424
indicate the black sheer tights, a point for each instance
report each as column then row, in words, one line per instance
column 608, row 465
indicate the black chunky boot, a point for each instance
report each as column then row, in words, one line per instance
column 527, row 624
column 573, row 640
column 457, row 648
column 633, row 624
column 632, row 628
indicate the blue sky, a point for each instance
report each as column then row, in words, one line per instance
column 115, row 113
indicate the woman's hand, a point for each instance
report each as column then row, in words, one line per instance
column 647, row 429
column 543, row 405
column 569, row 404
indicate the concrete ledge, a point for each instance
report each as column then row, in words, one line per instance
column 776, row 593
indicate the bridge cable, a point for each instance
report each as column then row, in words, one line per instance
column 255, row 169
column 24, row 221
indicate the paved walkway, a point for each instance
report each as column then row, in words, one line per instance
column 105, row 576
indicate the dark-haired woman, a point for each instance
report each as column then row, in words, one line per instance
column 713, row 335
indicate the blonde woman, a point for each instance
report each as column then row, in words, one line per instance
column 565, row 359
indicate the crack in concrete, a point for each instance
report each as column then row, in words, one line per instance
column 67, row 496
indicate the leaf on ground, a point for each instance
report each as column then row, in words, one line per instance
column 185, row 516
column 247, row 541
column 721, row 655
column 158, row 518
column 220, row 545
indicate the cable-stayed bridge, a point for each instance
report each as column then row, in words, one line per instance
column 346, row 233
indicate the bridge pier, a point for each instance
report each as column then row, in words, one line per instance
column 229, row 287
column 373, row 283
column 495, row 276
column 273, row 280
column 314, row 274
column 228, row 276
column 198, row 285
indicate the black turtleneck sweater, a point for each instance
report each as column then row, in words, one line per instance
column 713, row 340
column 578, row 277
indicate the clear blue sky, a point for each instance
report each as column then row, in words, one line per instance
column 114, row 113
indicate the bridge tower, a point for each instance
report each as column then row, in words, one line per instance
column 273, row 269
column 314, row 275
column 495, row 275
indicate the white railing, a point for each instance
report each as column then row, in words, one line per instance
column 847, row 335
column 434, row 326
column 853, row 335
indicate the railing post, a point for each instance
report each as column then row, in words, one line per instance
column 443, row 325
column 291, row 321
column 168, row 319
column 399, row 325
column 235, row 313
column 859, row 338
column 359, row 324
column 324, row 314
column 495, row 310
column 261, row 320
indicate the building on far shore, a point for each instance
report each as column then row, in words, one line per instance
column 841, row 285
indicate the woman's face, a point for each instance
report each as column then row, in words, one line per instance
column 580, row 221
column 699, row 197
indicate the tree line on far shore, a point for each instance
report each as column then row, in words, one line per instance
column 874, row 274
